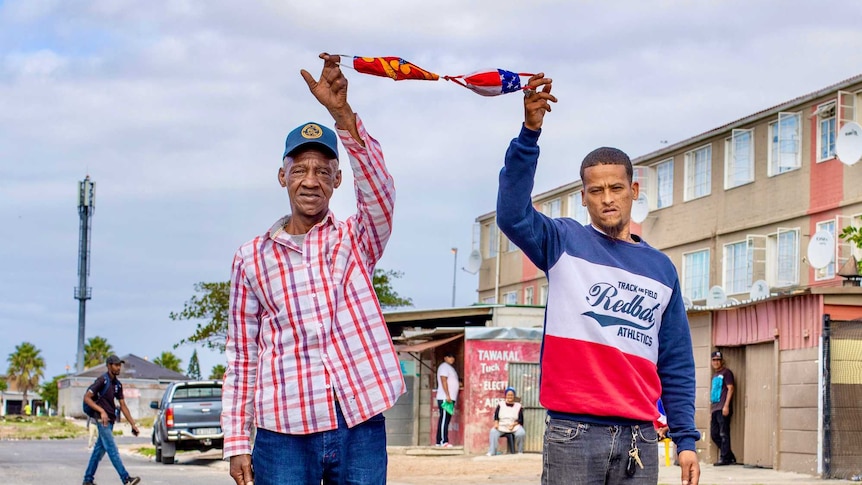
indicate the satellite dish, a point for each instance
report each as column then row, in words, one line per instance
column 640, row 208
column 687, row 302
column 820, row 249
column 474, row 262
column 848, row 143
column 759, row 290
column 716, row 296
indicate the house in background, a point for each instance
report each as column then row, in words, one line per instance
column 143, row 381
column 736, row 209
column 12, row 400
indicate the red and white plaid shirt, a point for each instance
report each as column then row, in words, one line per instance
column 305, row 326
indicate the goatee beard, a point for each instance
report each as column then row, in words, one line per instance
column 612, row 231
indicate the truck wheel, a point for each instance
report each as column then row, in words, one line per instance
column 169, row 450
column 158, row 453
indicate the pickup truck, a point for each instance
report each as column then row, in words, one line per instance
column 188, row 418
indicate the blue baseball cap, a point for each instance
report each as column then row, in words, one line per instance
column 311, row 133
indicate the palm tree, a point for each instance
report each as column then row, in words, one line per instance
column 218, row 371
column 26, row 367
column 169, row 361
column 96, row 351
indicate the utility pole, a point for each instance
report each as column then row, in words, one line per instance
column 454, row 273
column 86, row 208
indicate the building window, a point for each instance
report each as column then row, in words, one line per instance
column 698, row 173
column 508, row 246
column 739, row 159
column 543, row 294
column 664, row 182
column 696, row 274
column 491, row 250
column 489, row 300
column 782, row 258
column 510, row 298
column 577, row 211
column 552, row 208
column 784, row 152
column 738, row 266
column 828, row 271
column 826, row 131
column 528, row 295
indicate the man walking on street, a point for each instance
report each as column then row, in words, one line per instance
column 100, row 397
column 447, row 394
column 721, row 396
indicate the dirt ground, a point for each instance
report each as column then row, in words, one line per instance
column 464, row 469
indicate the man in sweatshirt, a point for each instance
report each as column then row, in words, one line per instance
column 616, row 333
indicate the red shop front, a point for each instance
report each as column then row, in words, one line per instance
column 482, row 361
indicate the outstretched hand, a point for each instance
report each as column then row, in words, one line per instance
column 331, row 91
column 537, row 101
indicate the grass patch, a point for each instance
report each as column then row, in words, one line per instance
column 38, row 428
column 145, row 422
column 148, row 451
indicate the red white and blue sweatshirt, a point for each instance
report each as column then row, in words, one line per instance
column 616, row 333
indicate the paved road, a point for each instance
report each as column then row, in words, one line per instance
column 62, row 462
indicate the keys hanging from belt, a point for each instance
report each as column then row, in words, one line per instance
column 634, row 455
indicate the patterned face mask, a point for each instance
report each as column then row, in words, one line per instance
column 492, row 82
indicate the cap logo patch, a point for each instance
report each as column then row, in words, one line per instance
column 311, row 131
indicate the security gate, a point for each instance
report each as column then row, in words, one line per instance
column 524, row 377
column 842, row 398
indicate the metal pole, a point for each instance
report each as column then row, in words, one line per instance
column 86, row 207
column 454, row 273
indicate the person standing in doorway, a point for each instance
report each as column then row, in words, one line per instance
column 721, row 397
column 447, row 394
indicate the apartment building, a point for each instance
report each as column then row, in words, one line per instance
column 735, row 208
column 731, row 206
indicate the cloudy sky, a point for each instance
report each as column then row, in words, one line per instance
column 178, row 110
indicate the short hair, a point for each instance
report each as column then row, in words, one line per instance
column 449, row 354
column 607, row 156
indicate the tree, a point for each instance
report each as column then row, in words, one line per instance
column 210, row 308
column 26, row 367
column 853, row 235
column 194, row 370
column 96, row 351
column 211, row 304
column 3, row 385
column 218, row 371
column 387, row 296
column 50, row 390
column 169, row 361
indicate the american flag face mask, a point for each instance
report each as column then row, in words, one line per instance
column 492, row 82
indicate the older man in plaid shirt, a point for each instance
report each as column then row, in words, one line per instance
column 311, row 363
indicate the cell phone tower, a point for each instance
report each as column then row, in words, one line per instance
column 86, row 208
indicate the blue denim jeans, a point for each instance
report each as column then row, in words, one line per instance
column 105, row 444
column 340, row 456
column 577, row 453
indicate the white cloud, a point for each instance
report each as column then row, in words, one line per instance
column 178, row 111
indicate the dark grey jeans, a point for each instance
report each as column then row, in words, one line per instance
column 577, row 453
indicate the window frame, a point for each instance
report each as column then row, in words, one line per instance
column 829, row 271
column 577, row 210
column 687, row 279
column 776, row 138
column 528, row 296
column 658, row 183
column 690, row 183
column 493, row 245
column 548, row 208
column 730, row 159
column 729, row 264
column 774, row 259
column 830, row 119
